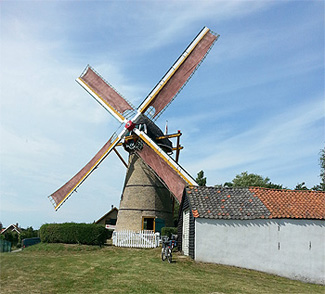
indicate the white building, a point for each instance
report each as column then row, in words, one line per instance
column 275, row 231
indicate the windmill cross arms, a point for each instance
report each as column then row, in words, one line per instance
column 104, row 94
column 175, row 79
column 174, row 176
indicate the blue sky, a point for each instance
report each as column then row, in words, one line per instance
column 256, row 103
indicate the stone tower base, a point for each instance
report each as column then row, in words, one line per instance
column 144, row 198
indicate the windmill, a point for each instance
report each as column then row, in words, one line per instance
column 152, row 175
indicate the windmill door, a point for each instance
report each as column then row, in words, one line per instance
column 160, row 223
column 186, row 232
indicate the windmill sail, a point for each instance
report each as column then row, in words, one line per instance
column 174, row 176
column 170, row 85
column 170, row 177
column 104, row 93
column 63, row 193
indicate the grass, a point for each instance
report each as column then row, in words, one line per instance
column 59, row 268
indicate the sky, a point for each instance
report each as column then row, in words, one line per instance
column 255, row 104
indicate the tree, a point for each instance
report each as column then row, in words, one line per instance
column 321, row 186
column 28, row 233
column 322, row 165
column 200, row 179
column 247, row 180
column 12, row 237
column 301, row 186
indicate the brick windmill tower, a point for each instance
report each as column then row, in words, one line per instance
column 153, row 177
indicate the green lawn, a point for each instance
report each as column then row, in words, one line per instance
column 58, row 268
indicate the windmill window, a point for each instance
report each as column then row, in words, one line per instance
column 148, row 223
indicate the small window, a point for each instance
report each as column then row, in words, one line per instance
column 148, row 223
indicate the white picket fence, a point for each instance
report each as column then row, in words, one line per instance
column 142, row 239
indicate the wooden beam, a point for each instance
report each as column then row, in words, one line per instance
column 120, row 157
column 130, row 137
column 169, row 136
column 178, row 149
column 126, row 138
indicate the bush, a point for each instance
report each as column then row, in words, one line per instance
column 109, row 234
column 168, row 231
column 73, row 233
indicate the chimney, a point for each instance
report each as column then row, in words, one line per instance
column 112, row 206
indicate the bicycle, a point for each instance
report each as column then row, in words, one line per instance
column 167, row 249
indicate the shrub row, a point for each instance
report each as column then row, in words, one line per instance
column 73, row 233
column 168, row 231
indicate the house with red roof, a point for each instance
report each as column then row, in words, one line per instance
column 280, row 232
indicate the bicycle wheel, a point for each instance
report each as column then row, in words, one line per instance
column 169, row 256
column 163, row 254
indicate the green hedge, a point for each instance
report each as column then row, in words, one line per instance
column 168, row 231
column 73, row 233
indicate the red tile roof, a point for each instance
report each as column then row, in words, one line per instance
column 292, row 203
column 255, row 203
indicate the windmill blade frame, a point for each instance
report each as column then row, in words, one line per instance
column 167, row 176
column 64, row 192
column 105, row 94
column 178, row 75
column 164, row 160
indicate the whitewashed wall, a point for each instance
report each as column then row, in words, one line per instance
column 285, row 247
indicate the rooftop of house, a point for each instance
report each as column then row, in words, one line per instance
column 107, row 214
column 11, row 228
column 255, row 203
